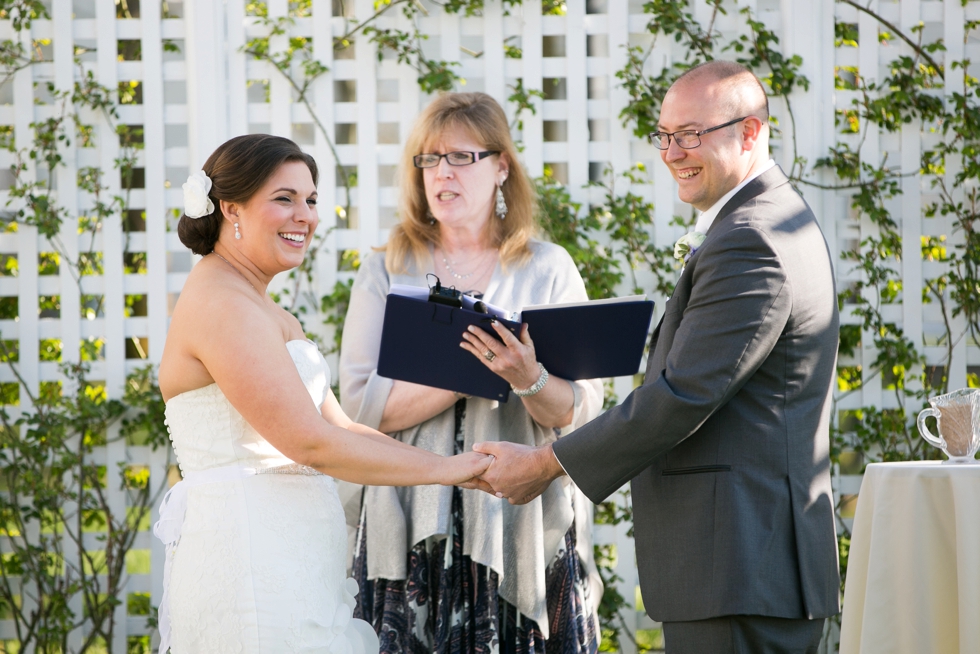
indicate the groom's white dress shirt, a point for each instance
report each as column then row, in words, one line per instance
column 708, row 216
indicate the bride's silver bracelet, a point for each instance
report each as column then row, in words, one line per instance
column 534, row 388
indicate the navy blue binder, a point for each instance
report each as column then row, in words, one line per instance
column 590, row 340
column 420, row 342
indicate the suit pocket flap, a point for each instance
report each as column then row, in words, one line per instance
column 694, row 470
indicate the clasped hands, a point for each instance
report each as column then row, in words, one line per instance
column 518, row 472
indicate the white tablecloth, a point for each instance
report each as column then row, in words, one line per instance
column 913, row 574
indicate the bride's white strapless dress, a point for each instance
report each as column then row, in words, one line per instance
column 257, row 544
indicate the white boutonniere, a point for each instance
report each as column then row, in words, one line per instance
column 197, row 204
column 687, row 245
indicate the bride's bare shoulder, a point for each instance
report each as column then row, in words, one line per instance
column 214, row 316
column 215, row 295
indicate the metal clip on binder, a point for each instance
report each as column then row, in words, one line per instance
column 444, row 295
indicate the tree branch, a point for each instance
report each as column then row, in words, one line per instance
column 916, row 47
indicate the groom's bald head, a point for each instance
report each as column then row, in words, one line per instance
column 722, row 109
column 740, row 93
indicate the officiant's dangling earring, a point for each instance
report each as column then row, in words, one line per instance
column 500, row 208
column 238, row 234
column 428, row 214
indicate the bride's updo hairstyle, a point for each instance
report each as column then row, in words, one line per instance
column 238, row 169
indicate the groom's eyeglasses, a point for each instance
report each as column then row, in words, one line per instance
column 687, row 139
column 453, row 158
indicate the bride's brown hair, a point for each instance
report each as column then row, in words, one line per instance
column 478, row 115
column 238, row 168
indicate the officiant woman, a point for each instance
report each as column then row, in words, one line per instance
column 445, row 569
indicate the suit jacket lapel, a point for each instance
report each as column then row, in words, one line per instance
column 772, row 178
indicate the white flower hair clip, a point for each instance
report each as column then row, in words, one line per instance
column 197, row 204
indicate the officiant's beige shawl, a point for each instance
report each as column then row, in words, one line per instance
column 517, row 542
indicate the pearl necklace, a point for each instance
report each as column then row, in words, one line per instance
column 460, row 277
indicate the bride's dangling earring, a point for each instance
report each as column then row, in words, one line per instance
column 238, row 234
column 500, row 208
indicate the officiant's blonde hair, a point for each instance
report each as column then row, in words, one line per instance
column 479, row 116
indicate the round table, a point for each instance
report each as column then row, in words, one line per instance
column 913, row 572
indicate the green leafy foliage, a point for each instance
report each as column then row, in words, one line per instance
column 21, row 13
column 627, row 218
column 54, row 489
column 617, row 510
column 523, row 100
column 561, row 220
column 333, row 307
column 433, row 75
column 55, row 492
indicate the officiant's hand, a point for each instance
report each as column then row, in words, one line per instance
column 550, row 403
column 511, row 358
column 518, row 472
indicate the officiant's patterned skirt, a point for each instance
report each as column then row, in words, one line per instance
column 454, row 608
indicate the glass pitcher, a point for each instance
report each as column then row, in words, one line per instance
column 957, row 417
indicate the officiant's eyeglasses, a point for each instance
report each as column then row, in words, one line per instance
column 687, row 139
column 452, row 158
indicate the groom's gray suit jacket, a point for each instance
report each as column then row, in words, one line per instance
column 727, row 440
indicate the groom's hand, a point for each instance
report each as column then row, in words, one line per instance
column 518, row 472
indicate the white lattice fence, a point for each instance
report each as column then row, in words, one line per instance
column 54, row 311
column 192, row 100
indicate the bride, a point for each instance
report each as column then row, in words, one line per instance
column 255, row 533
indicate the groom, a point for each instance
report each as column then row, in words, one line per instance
column 727, row 440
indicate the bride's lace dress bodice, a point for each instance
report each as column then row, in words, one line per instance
column 260, row 563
